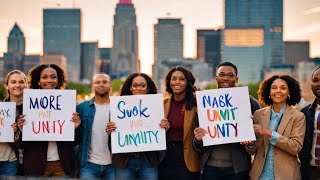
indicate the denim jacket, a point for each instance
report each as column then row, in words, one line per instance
column 86, row 112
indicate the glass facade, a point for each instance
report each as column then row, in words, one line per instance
column 61, row 34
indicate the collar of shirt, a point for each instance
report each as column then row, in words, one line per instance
column 279, row 114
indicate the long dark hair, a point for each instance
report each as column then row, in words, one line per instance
column 190, row 89
column 34, row 76
column 125, row 90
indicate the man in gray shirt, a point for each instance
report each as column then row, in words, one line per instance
column 226, row 161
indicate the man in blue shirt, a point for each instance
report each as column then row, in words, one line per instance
column 94, row 154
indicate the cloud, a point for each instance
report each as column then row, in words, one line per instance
column 315, row 10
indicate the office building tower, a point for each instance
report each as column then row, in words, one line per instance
column 258, row 27
column 124, row 55
column 208, row 47
column 89, row 58
column 61, row 35
column 296, row 51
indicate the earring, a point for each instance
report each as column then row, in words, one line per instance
column 288, row 96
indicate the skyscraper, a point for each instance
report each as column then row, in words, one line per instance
column 61, row 34
column 208, row 47
column 168, row 46
column 168, row 40
column 89, row 58
column 296, row 51
column 124, row 55
column 253, row 29
column 13, row 59
column 16, row 40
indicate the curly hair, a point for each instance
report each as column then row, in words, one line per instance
column 125, row 90
column 14, row 72
column 293, row 85
column 34, row 76
column 190, row 89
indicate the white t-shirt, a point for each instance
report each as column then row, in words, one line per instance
column 52, row 153
column 99, row 152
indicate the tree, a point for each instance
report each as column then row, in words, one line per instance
column 82, row 89
column 2, row 92
column 116, row 85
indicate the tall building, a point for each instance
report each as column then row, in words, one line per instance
column 61, row 35
column 105, row 60
column 124, row 55
column 16, row 40
column 89, row 58
column 257, row 16
column 208, row 47
column 58, row 59
column 168, row 45
column 296, row 51
column 168, row 40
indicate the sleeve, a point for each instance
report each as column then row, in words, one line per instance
column 197, row 145
column 293, row 144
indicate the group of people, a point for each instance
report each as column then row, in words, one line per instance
column 287, row 145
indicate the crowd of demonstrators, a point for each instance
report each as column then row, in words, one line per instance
column 226, row 161
column 280, row 130
column 283, row 133
column 180, row 160
column 142, row 165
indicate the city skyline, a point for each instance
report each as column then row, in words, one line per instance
column 301, row 22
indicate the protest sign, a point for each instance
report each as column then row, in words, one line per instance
column 225, row 115
column 7, row 118
column 48, row 114
column 137, row 118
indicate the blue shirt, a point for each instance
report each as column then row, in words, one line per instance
column 268, row 169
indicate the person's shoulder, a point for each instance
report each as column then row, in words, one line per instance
column 306, row 108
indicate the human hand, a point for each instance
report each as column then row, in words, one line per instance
column 21, row 122
column 164, row 123
column 199, row 133
column 111, row 126
column 76, row 120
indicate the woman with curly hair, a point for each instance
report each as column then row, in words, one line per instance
column 280, row 130
column 142, row 165
column 180, row 161
column 43, row 158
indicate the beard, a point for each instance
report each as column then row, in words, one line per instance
column 104, row 94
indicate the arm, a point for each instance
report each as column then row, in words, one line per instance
column 293, row 144
column 198, row 134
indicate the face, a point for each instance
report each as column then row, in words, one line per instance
column 48, row 78
column 139, row 86
column 178, row 82
column 279, row 91
column 315, row 84
column 226, row 77
column 16, row 84
column 101, row 85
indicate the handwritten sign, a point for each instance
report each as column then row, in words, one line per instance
column 7, row 118
column 225, row 115
column 137, row 119
column 48, row 114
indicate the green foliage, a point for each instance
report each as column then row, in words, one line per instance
column 211, row 86
column 82, row 89
column 253, row 89
column 116, row 85
column 2, row 92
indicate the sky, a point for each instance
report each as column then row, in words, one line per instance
column 301, row 22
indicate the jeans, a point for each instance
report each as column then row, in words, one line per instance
column 137, row 167
column 92, row 170
column 9, row 168
column 224, row 173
